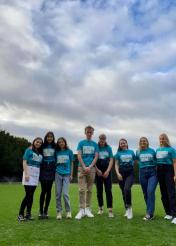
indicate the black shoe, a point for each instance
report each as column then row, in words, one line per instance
column 29, row 217
column 45, row 216
column 21, row 218
column 40, row 216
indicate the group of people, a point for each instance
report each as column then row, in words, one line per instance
column 48, row 161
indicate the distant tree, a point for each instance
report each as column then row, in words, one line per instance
column 11, row 152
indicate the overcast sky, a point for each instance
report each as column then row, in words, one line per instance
column 67, row 64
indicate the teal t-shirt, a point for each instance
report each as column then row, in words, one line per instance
column 32, row 158
column 105, row 152
column 48, row 153
column 64, row 159
column 125, row 157
column 88, row 149
column 165, row 155
column 146, row 158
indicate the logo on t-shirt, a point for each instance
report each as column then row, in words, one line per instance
column 161, row 154
column 103, row 154
column 48, row 152
column 146, row 157
column 126, row 158
column 37, row 158
column 61, row 159
column 88, row 150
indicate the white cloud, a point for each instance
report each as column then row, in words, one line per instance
column 68, row 64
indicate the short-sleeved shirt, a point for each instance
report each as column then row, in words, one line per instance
column 88, row 150
column 125, row 157
column 64, row 158
column 32, row 158
column 146, row 157
column 165, row 155
column 105, row 152
column 48, row 154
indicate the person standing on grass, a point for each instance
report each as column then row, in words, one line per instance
column 124, row 167
column 31, row 168
column 146, row 157
column 47, row 174
column 64, row 174
column 166, row 172
column 87, row 157
column 103, row 174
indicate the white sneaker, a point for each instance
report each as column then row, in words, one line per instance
column 68, row 215
column 111, row 215
column 100, row 211
column 174, row 221
column 129, row 213
column 168, row 217
column 80, row 214
column 59, row 216
column 126, row 213
column 88, row 213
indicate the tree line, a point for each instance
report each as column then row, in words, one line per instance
column 12, row 149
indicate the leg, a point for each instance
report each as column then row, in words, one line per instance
column 108, row 191
column 49, row 184
column 58, row 187
column 66, row 183
column 152, row 183
column 82, row 188
column 99, row 185
column 144, row 183
column 31, row 190
column 24, row 202
column 163, row 189
column 127, row 189
column 122, row 184
column 90, row 182
column 169, row 180
column 42, row 195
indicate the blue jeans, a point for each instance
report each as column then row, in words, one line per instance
column 148, row 180
column 62, row 186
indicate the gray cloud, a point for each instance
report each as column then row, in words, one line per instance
column 66, row 64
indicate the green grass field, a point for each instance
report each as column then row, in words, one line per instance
column 99, row 231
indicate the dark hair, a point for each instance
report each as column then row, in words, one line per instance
column 65, row 141
column 88, row 127
column 46, row 142
column 39, row 150
column 122, row 139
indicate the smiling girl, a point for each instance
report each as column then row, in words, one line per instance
column 64, row 174
column 31, row 168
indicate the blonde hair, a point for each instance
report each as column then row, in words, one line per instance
column 166, row 138
column 146, row 141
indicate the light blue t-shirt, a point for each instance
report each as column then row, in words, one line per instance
column 125, row 157
column 146, row 157
column 88, row 149
column 32, row 158
column 64, row 159
column 49, row 153
column 105, row 152
column 165, row 155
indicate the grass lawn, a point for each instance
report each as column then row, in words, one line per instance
column 99, row 231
